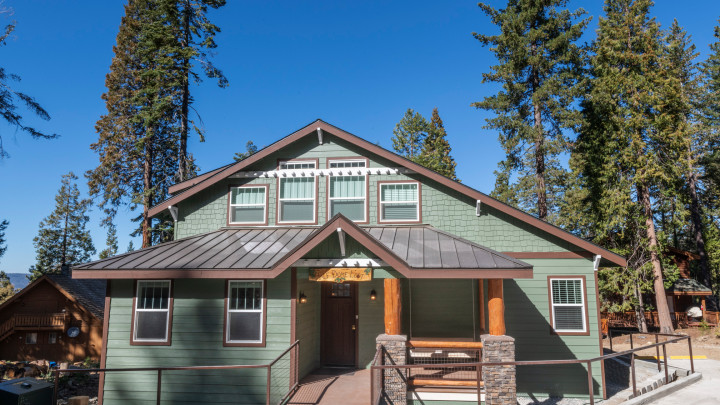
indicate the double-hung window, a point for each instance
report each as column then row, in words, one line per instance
column 399, row 202
column 245, row 306
column 568, row 304
column 153, row 304
column 248, row 205
column 348, row 190
column 296, row 195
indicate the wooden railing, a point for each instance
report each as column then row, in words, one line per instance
column 680, row 319
column 25, row 321
column 430, row 352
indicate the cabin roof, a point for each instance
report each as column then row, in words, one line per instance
column 269, row 251
column 202, row 182
column 684, row 286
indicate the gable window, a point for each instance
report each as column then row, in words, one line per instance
column 296, row 195
column 399, row 202
column 152, row 312
column 245, row 312
column 348, row 193
column 568, row 306
column 248, row 204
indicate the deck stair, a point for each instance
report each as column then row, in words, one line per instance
column 47, row 321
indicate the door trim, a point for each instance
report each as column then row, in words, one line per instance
column 355, row 289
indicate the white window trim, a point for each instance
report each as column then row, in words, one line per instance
column 167, row 323
column 264, row 205
column 365, row 189
column 581, row 305
column 280, row 199
column 260, row 311
column 417, row 201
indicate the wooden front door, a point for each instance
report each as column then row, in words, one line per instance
column 339, row 324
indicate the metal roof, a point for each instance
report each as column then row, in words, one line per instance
column 422, row 247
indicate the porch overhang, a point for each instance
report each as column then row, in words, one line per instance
column 263, row 253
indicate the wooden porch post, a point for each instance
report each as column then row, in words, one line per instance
column 393, row 306
column 496, row 307
column 481, row 305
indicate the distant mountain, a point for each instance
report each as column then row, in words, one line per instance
column 19, row 280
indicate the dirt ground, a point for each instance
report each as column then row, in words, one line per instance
column 705, row 342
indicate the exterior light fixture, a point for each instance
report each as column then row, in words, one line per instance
column 303, row 298
column 373, row 295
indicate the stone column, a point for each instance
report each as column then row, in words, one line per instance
column 394, row 380
column 500, row 381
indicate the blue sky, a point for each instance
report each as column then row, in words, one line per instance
column 357, row 65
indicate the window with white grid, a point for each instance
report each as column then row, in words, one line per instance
column 568, row 306
column 152, row 311
column 248, row 205
column 245, row 312
column 296, row 196
column 348, row 192
column 399, row 202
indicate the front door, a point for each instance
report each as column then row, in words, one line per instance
column 339, row 323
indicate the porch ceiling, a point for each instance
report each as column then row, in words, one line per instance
column 422, row 250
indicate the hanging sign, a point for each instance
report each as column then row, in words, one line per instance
column 339, row 274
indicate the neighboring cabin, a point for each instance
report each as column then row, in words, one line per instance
column 256, row 241
column 34, row 323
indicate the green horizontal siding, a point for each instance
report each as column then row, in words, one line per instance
column 198, row 313
column 308, row 324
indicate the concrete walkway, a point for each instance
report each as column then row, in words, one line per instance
column 704, row 392
column 328, row 386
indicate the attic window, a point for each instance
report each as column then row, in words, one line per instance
column 297, row 195
column 348, row 194
column 291, row 165
column 248, row 205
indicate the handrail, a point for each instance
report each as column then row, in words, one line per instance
column 587, row 362
column 159, row 370
column 445, row 344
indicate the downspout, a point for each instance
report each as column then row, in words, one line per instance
column 174, row 213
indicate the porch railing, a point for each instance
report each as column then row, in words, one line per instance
column 281, row 381
column 377, row 369
column 680, row 319
column 430, row 353
column 25, row 321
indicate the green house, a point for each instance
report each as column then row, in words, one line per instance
column 329, row 240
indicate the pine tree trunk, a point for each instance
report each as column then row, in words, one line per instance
column 65, row 235
column 696, row 218
column 640, row 310
column 660, row 298
column 185, row 103
column 539, row 154
column 147, row 186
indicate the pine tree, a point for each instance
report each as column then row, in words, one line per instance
column 541, row 72
column 409, row 135
column 111, row 243
column 139, row 135
column 9, row 98
column 3, row 242
column 7, row 289
column 63, row 239
column 435, row 153
column 626, row 151
column 250, row 149
column 196, row 35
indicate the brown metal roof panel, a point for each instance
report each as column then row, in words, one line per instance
column 296, row 240
column 415, row 253
column 484, row 259
column 401, row 243
column 161, row 260
column 276, row 243
column 232, row 237
column 448, row 252
column 375, row 232
column 195, row 250
column 431, row 250
column 244, row 249
column 388, row 236
column 465, row 254
column 238, row 241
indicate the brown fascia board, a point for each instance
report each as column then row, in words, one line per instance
column 386, row 154
column 176, row 188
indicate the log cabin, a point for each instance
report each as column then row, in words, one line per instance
column 329, row 240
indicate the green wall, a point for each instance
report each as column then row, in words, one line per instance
column 308, row 323
column 198, row 313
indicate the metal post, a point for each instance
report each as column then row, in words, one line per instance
column 657, row 352
column 692, row 364
column 478, row 369
column 590, row 383
column 57, row 382
column 632, row 368
column 610, row 338
column 267, row 392
column 372, row 384
column 666, row 364
column 159, row 387
column 631, row 341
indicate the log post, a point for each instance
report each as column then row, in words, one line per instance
column 496, row 307
column 481, row 305
column 393, row 306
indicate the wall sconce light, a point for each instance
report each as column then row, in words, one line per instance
column 303, row 298
column 373, row 295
